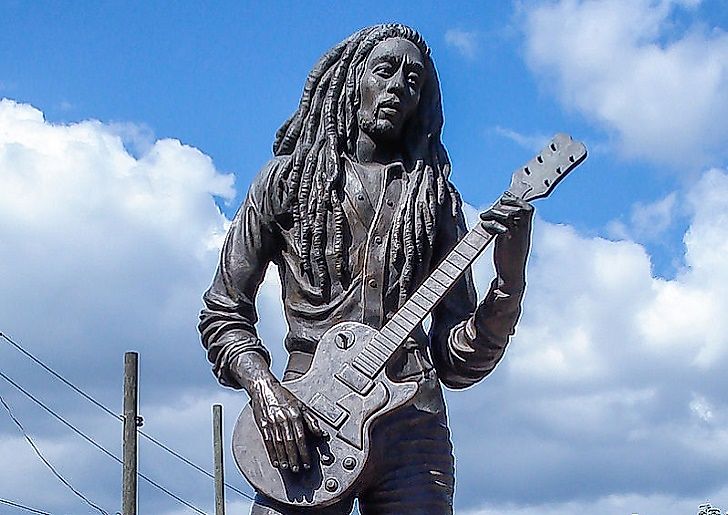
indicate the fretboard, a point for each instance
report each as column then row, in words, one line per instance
column 377, row 352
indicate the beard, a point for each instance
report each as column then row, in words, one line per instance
column 378, row 129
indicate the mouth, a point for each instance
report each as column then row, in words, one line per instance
column 389, row 110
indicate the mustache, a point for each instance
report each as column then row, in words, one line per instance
column 391, row 102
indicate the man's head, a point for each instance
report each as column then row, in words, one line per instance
column 380, row 81
column 389, row 88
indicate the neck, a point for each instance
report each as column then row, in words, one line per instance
column 370, row 151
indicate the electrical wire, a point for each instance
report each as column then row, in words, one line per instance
column 22, row 507
column 104, row 408
column 48, row 463
column 97, row 445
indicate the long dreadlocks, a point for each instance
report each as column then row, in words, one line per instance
column 325, row 126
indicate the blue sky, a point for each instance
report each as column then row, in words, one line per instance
column 130, row 131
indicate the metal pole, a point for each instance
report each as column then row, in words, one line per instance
column 217, row 450
column 129, row 473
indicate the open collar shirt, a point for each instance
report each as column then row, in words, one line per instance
column 465, row 340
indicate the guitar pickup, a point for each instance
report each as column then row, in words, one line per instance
column 354, row 379
column 332, row 413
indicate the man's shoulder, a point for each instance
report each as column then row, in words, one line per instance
column 269, row 184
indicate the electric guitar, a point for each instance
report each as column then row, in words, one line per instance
column 347, row 388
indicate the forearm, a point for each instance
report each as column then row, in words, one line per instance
column 252, row 372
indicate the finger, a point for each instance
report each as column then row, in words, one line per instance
column 516, row 201
column 312, row 424
column 502, row 216
column 279, row 445
column 493, row 227
column 301, row 445
column 289, row 441
column 267, row 435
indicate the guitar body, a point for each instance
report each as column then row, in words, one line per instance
column 346, row 404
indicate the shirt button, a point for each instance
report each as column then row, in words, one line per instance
column 372, row 283
column 360, row 197
column 378, row 240
column 390, row 202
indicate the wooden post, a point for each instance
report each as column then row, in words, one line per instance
column 131, row 399
column 217, row 451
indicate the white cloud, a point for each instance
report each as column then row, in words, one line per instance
column 614, row 377
column 532, row 142
column 647, row 221
column 611, row 394
column 619, row 63
column 465, row 42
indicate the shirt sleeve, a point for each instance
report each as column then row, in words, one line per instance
column 467, row 340
column 227, row 321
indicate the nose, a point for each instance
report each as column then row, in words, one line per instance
column 396, row 83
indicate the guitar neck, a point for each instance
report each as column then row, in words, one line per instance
column 534, row 180
column 411, row 314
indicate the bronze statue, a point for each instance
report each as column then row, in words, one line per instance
column 356, row 210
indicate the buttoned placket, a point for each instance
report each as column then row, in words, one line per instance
column 374, row 272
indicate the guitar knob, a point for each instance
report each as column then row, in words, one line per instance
column 331, row 485
column 327, row 459
column 349, row 463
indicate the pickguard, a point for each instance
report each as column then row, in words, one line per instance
column 361, row 409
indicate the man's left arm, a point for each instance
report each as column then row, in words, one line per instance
column 468, row 340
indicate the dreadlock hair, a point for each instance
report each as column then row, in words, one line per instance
column 325, row 126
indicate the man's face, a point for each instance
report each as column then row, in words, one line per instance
column 390, row 88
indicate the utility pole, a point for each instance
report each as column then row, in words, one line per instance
column 217, row 451
column 131, row 422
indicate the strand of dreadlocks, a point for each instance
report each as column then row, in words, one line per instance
column 324, row 126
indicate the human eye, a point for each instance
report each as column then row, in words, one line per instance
column 384, row 69
column 413, row 79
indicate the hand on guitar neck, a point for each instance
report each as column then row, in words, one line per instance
column 509, row 220
column 283, row 420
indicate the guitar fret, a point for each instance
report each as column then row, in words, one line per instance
column 450, row 270
column 437, row 289
column 364, row 366
column 426, row 286
column 416, row 309
column 405, row 329
column 458, row 260
column 370, row 362
column 408, row 316
column 377, row 352
column 395, row 337
column 465, row 242
column 422, row 302
column 437, row 276
column 385, row 343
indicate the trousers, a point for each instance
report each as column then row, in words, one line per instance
column 410, row 471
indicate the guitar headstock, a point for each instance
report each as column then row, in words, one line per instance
column 542, row 173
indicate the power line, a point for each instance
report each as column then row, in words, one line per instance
column 115, row 415
column 97, row 445
column 22, row 507
column 48, row 463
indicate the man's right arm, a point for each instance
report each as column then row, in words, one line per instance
column 227, row 322
column 227, row 327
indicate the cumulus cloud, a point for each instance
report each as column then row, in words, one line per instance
column 610, row 397
column 465, row 42
column 109, row 237
column 623, row 64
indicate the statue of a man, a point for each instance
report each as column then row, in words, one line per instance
column 355, row 210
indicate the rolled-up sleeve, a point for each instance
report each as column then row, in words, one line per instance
column 227, row 321
column 467, row 340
